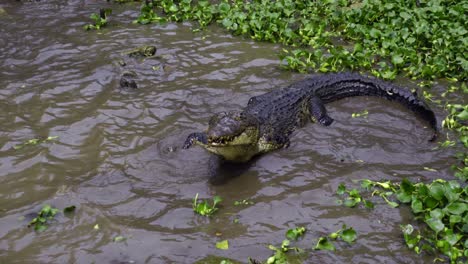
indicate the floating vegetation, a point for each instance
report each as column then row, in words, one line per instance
column 377, row 33
column 46, row 214
column 441, row 205
column 100, row 20
column 203, row 208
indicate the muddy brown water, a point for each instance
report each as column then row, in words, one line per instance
column 118, row 157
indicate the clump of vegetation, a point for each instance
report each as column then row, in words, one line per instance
column 203, row 208
column 47, row 213
column 378, row 32
column 100, row 20
column 40, row 222
column 353, row 198
column 441, row 205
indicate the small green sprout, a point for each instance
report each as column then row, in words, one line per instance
column 203, row 208
column 40, row 222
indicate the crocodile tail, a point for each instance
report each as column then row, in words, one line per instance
column 333, row 87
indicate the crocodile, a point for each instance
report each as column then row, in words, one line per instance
column 268, row 120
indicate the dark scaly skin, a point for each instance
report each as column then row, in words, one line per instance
column 269, row 119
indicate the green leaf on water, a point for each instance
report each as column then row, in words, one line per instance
column 295, row 233
column 457, row 208
column 349, row 235
column 436, row 190
column 397, row 59
column 435, row 224
column 341, row 189
column 324, row 244
column 224, row 245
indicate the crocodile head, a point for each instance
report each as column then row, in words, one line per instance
column 232, row 136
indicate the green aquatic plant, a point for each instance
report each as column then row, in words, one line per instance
column 441, row 205
column 148, row 14
column 45, row 214
column 295, row 233
column 203, row 208
column 100, row 20
column 346, row 234
column 376, row 34
column 224, row 245
column 353, row 198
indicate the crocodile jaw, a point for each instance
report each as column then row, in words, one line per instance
column 240, row 148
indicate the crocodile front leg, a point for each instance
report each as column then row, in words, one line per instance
column 318, row 111
column 195, row 137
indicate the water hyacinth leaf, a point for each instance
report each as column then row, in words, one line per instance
column 435, row 224
column 349, row 235
column 295, row 233
column 457, row 208
column 224, row 245
column 463, row 116
column 452, row 238
column 40, row 228
column 368, row 204
column 341, row 189
column 403, row 196
column 437, row 191
column 349, row 202
column 437, row 213
column 452, row 194
column 454, row 219
column 324, row 244
column 430, row 202
column 407, row 186
column 416, row 206
column 397, row 59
